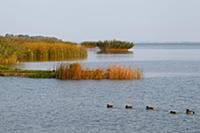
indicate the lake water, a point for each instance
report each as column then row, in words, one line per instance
column 171, row 82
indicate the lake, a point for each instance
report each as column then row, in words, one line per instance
column 171, row 81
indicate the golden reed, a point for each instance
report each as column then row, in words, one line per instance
column 13, row 50
column 114, row 72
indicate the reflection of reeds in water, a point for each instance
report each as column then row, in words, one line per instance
column 114, row 72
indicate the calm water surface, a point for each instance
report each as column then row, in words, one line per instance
column 171, row 82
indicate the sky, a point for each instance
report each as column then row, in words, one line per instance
column 81, row 20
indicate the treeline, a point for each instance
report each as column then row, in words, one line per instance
column 114, row 72
column 113, row 44
column 14, row 49
column 89, row 44
column 33, row 38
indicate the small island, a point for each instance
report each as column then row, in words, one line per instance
column 110, row 46
column 115, row 46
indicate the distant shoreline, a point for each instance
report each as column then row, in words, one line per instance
column 165, row 43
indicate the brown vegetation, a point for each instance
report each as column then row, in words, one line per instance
column 41, row 51
column 119, row 72
column 15, row 49
column 114, row 72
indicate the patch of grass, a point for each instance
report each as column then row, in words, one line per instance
column 43, row 75
column 3, row 67
column 27, row 73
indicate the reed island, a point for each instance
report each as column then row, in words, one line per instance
column 110, row 46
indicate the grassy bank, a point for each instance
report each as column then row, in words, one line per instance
column 16, row 49
column 5, row 71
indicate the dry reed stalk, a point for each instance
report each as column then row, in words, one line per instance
column 114, row 72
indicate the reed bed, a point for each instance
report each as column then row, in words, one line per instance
column 114, row 72
column 13, row 50
column 9, row 51
column 119, row 72
column 42, row 51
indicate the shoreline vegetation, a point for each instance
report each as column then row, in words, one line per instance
column 6, row 71
column 20, row 48
column 77, row 72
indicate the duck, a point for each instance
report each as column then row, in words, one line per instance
column 189, row 112
column 109, row 106
column 128, row 107
column 149, row 108
column 173, row 112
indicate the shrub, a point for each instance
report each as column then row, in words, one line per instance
column 115, row 44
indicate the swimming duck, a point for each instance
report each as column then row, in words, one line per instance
column 128, row 107
column 109, row 106
column 189, row 112
column 173, row 112
column 149, row 108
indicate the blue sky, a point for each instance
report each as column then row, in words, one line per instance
column 79, row 20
